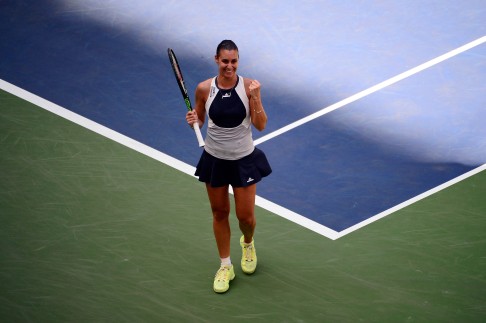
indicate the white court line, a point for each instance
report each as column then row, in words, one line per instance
column 371, row 90
column 332, row 234
column 98, row 128
column 155, row 154
column 189, row 170
column 411, row 201
column 261, row 202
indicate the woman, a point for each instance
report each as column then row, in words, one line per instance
column 232, row 104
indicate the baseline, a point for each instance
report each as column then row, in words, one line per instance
column 155, row 154
column 189, row 170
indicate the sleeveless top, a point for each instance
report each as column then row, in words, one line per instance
column 229, row 125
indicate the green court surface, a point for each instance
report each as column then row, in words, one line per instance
column 94, row 232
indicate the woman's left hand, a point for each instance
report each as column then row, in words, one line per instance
column 255, row 89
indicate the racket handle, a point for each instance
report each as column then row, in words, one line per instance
column 200, row 139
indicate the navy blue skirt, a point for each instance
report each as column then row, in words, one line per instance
column 237, row 173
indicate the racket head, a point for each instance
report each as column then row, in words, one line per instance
column 180, row 79
column 182, row 86
column 175, row 65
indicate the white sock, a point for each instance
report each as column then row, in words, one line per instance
column 226, row 261
column 247, row 244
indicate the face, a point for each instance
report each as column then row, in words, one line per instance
column 227, row 61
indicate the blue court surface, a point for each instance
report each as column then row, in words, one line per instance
column 372, row 104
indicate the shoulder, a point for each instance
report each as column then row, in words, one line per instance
column 247, row 82
column 202, row 89
column 204, row 85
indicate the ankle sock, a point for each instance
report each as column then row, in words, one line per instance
column 226, row 261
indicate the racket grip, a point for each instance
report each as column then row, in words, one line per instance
column 200, row 139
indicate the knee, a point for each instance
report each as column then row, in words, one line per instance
column 246, row 219
column 220, row 214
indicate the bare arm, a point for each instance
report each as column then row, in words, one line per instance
column 199, row 112
column 257, row 113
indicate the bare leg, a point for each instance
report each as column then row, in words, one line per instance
column 245, row 210
column 220, row 206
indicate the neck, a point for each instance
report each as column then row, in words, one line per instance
column 226, row 83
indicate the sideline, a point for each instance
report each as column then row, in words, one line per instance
column 372, row 89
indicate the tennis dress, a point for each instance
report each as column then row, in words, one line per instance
column 229, row 155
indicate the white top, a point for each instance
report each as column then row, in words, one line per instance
column 229, row 133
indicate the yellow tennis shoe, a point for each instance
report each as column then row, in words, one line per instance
column 248, row 257
column 222, row 278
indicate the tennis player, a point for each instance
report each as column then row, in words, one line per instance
column 232, row 104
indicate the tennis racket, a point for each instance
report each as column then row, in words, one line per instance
column 182, row 87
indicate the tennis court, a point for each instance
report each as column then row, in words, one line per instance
column 376, row 137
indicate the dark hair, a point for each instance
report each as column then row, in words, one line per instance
column 226, row 44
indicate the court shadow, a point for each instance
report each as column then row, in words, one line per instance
column 323, row 172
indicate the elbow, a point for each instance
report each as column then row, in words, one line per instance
column 261, row 126
column 259, row 123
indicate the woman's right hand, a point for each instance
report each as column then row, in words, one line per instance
column 191, row 117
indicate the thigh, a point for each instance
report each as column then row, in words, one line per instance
column 219, row 199
column 245, row 200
